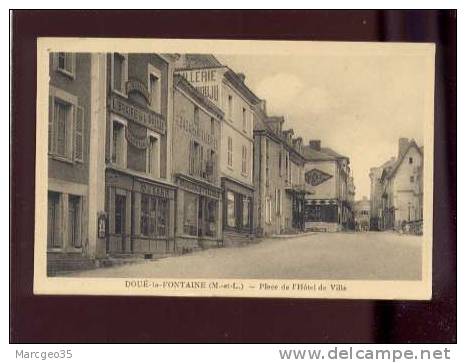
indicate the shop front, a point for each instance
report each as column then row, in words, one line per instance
column 237, row 212
column 198, row 214
column 297, row 208
column 321, row 215
column 140, row 215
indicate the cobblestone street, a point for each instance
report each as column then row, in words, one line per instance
column 365, row 256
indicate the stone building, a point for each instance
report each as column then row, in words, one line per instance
column 362, row 214
column 196, row 135
column 75, row 199
column 227, row 90
column 402, row 189
column 376, row 220
column 139, row 191
column 329, row 189
column 278, row 176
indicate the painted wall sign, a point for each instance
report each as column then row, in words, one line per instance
column 188, row 126
column 153, row 189
column 197, row 188
column 144, row 117
column 316, row 177
column 206, row 81
column 140, row 142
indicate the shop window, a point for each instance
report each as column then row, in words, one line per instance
column 231, row 210
column 120, row 214
column 66, row 63
column 118, row 144
column 190, row 214
column 119, row 72
column 211, row 218
column 74, row 221
column 145, row 214
column 162, row 217
column 244, row 160
column 246, row 211
column 230, row 151
column 53, row 221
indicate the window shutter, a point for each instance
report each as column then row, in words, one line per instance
column 79, row 134
column 51, row 133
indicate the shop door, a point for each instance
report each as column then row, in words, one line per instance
column 120, row 221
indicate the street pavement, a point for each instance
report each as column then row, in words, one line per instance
column 343, row 255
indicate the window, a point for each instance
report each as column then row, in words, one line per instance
column 154, row 89
column 145, row 214
column 411, row 179
column 278, row 197
column 230, row 107
column 245, row 121
column 53, row 221
column 118, row 144
column 244, row 160
column 212, row 126
column 210, row 166
column 66, row 63
column 153, row 157
column 119, row 72
column 153, row 222
column 230, row 151
column 231, row 215
column 162, row 220
column 280, row 163
column 62, row 117
column 196, row 116
column 66, row 126
column 287, row 166
column 74, row 221
column 410, row 160
column 195, row 159
column 190, row 214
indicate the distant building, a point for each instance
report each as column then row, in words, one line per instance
column 329, row 189
column 362, row 214
column 278, row 176
column 397, row 190
column 402, row 188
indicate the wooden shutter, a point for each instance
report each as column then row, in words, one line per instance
column 79, row 134
column 51, row 124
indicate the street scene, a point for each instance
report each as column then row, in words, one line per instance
column 339, row 256
column 234, row 166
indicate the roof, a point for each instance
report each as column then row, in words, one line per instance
column 331, row 152
column 193, row 61
column 312, row 154
column 394, row 167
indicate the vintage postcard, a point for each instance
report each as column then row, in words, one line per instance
column 234, row 168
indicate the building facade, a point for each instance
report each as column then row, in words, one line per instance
column 75, row 199
column 139, row 192
column 227, row 90
column 402, row 189
column 195, row 164
column 329, row 189
column 362, row 210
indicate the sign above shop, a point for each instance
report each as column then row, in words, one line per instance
column 144, row 117
column 316, row 177
column 198, row 188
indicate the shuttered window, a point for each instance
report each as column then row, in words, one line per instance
column 79, row 135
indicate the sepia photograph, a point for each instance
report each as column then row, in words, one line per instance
column 234, row 168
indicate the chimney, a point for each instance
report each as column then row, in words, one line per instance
column 314, row 144
column 241, row 76
column 403, row 144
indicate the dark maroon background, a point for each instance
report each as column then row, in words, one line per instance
column 162, row 319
